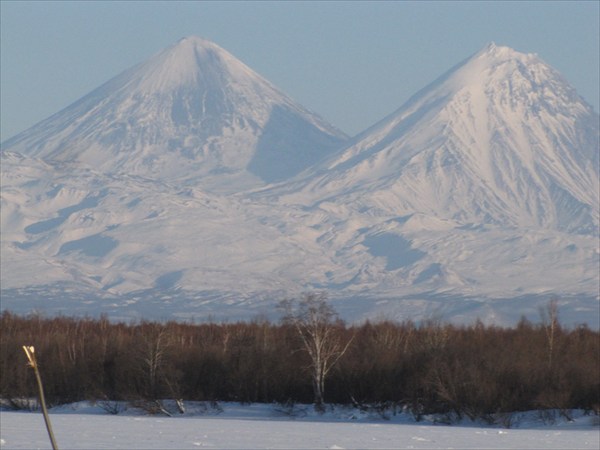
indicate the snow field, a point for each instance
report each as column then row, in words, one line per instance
column 261, row 426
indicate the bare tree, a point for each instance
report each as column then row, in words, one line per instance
column 155, row 344
column 318, row 327
column 153, row 358
column 551, row 326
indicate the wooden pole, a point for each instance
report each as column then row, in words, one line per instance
column 30, row 352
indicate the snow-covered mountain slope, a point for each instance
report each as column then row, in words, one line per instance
column 192, row 113
column 500, row 139
column 479, row 197
column 485, row 183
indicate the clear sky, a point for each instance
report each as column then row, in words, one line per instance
column 351, row 62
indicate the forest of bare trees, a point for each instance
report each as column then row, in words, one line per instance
column 475, row 371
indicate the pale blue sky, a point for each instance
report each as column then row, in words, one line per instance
column 351, row 62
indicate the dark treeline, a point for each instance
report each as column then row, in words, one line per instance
column 470, row 371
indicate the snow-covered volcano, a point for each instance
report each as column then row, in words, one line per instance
column 192, row 113
column 500, row 139
column 485, row 184
column 479, row 197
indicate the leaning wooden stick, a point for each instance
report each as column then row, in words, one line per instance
column 30, row 352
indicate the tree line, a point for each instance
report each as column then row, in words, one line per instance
column 476, row 371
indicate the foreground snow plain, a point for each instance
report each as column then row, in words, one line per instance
column 234, row 426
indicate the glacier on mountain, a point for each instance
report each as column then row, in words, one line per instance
column 189, row 187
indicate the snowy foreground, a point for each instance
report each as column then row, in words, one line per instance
column 233, row 426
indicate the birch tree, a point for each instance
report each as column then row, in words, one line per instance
column 318, row 327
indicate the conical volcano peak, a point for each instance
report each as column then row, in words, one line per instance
column 508, row 76
column 488, row 69
column 195, row 41
column 500, row 60
column 186, row 63
column 192, row 113
column 198, row 50
column 502, row 128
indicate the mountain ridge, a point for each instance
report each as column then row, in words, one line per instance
column 483, row 187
